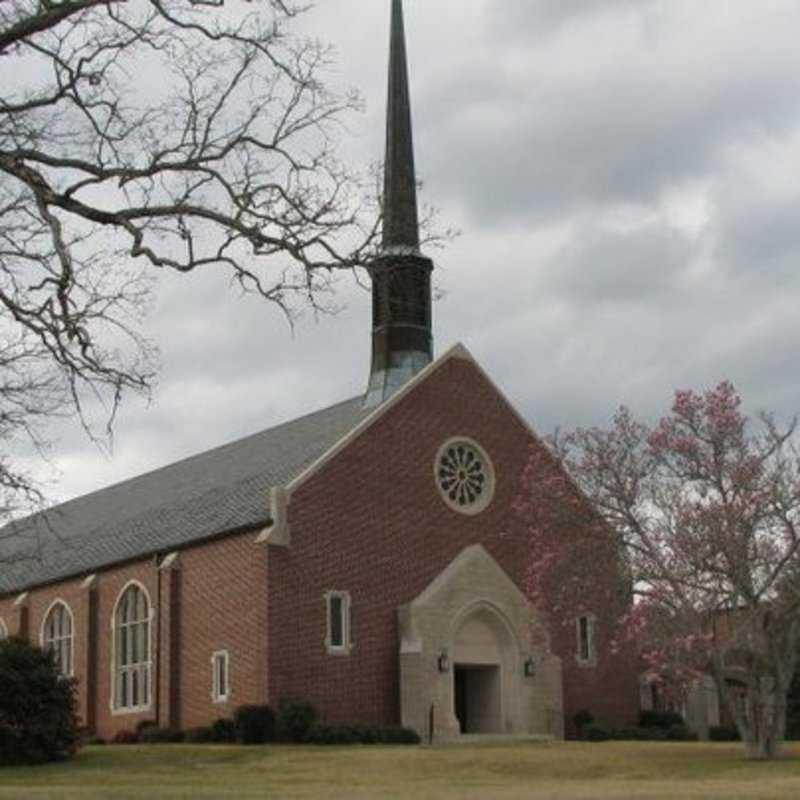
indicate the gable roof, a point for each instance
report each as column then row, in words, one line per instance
column 217, row 491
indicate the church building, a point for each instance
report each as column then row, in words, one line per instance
column 365, row 558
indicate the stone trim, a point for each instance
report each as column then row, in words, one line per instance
column 170, row 561
column 89, row 582
column 277, row 533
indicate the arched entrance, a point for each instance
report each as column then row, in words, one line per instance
column 468, row 661
column 482, row 646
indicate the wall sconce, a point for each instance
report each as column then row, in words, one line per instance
column 443, row 661
column 529, row 667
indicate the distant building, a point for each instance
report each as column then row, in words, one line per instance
column 362, row 557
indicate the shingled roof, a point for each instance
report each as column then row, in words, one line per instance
column 215, row 492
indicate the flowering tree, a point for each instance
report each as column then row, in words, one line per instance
column 704, row 509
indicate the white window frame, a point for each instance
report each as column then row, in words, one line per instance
column 3, row 630
column 591, row 646
column 55, row 644
column 224, row 657
column 346, row 646
column 143, row 667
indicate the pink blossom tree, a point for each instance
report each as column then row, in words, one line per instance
column 698, row 517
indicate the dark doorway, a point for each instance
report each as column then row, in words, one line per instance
column 476, row 698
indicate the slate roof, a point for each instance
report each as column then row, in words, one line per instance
column 218, row 491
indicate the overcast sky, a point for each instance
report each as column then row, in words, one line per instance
column 626, row 177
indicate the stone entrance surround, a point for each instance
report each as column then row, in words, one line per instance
column 472, row 618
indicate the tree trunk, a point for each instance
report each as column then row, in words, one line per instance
column 764, row 719
column 760, row 718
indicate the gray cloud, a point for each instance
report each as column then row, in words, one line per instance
column 607, row 115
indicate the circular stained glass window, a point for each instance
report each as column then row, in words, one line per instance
column 464, row 476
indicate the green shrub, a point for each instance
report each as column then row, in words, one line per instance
column 223, row 730
column 675, row 733
column 144, row 724
column 96, row 740
column 201, row 735
column 681, row 733
column 630, row 734
column 660, row 719
column 152, row 734
column 399, row 736
column 255, row 724
column 721, row 733
column 581, row 719
column 37, row 706
column 295, row 719
column 360, row 734
column 596, row 733
column 125, row 737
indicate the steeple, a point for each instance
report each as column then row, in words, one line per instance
column 402, row 343
column 400, row 226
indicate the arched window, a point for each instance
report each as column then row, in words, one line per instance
column 3, row 630
column 57, row 636
column 131, row 631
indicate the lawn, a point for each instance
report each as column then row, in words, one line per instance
column 619, row 770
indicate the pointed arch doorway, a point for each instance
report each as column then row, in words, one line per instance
column 465, row 641
column 480, row 647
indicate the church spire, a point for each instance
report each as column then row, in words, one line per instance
column 402, row 343
column 400, row 226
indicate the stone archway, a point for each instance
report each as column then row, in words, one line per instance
column 464, row 645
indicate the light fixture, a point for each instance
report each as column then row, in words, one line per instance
column 443, row 661
column 529, row 667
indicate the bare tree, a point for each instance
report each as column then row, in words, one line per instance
column 140, row 134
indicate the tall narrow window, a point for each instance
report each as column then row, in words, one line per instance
column 57, row 636
column 338, row 637
column 586, row 649
column 132, row 650
column 220, row 676
column 3, row 630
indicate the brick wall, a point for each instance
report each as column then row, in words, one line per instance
column 372, row 522
column 213, row 599
column 222, row 599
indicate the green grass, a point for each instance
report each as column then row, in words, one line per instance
column 618, row 770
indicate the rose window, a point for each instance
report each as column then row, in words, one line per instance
column 464, row 476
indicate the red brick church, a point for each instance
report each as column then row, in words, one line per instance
column 362, row 557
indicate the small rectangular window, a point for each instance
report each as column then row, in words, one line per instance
column 337, row 622
column 586, row 646
column 220, row 677
column 584, row 637
column 338, row 608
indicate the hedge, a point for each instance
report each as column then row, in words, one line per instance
column 37, row 706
